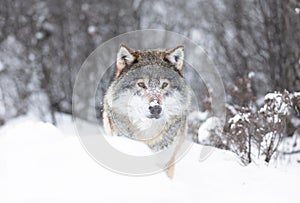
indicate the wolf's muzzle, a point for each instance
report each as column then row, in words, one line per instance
column 155, row 111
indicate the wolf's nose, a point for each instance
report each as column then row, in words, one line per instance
column 155, row 110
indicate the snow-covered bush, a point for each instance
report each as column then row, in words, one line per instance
column 240, row 132
column 256, row 134
column 254, row 127
column 273, row 121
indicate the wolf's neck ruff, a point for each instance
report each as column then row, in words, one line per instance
column 168, row 138
column 157, row 139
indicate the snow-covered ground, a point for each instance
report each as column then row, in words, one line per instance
column 43, row 163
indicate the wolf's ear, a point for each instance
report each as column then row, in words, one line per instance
column 176, row 56
column 124, row 58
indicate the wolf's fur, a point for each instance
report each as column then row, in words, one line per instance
column 146, row 79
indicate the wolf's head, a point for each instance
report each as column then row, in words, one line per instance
column 149, row 85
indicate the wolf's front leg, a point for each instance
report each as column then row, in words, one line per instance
column 171, row 165
column 171, row 168
column 108, row 125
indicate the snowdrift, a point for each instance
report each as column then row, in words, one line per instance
column 42, row 163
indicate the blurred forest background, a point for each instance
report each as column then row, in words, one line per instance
column 255, row 45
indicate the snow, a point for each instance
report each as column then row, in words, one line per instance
column 236, row 118
column 198, row 115
column 239, row 117
column 205, row 130
column 153, row 103
column 39, row 35
column 276, row 102
column 92, row 29
column 43, row 163
column 251, row 74
column 296, row 94
column 128, row 146
column 272, row 96
column 231, row 109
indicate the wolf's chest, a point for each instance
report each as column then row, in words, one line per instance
column 157, row 134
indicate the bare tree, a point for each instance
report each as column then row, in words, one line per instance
column 258, row 36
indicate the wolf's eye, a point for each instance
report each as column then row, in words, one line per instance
column 142, row 85
column 164, row 85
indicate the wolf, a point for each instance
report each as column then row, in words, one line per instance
column 149, row 100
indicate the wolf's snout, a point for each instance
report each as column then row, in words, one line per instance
column 155, row 110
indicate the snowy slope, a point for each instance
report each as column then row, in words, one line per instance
column 42, row 163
